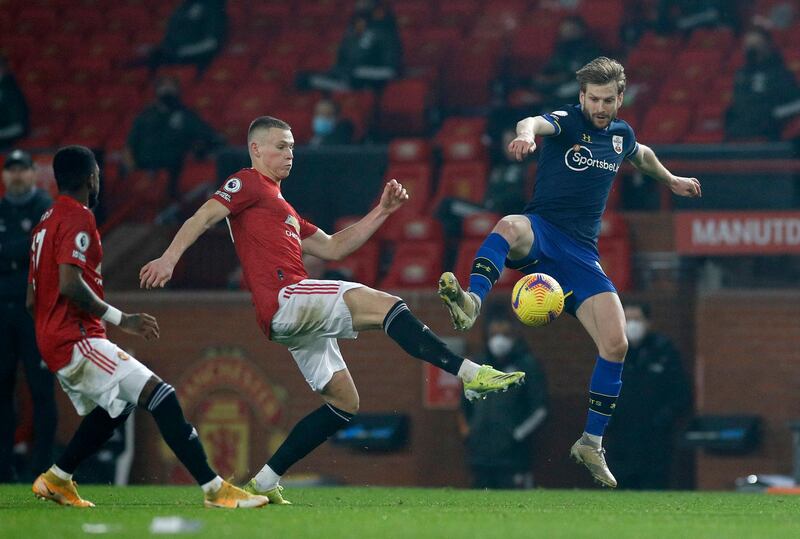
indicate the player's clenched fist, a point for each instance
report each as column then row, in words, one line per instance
column 520, row 147
column 155, row 274
column 394, row 195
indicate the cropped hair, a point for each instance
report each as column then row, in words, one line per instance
column 602, row 71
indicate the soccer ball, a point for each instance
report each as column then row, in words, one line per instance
column 537, row 299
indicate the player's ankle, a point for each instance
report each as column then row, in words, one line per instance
column 468, row 370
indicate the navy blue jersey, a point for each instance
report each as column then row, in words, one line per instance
column 576, row 167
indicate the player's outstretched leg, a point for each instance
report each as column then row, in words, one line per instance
column 56, row 484
column 511, row 237
column 182, row 438
column 420, row 342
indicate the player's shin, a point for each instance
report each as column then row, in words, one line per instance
column 94, row 431
column 603, row 392
column 488, row 264
column 419, row 341
column 181, row 436
column 307, row 435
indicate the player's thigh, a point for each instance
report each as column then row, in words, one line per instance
column 518, row 232
column 341, row 392
column 604, row 320
column 368, row 307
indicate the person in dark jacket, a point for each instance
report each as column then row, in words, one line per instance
column 499, row 431
column 195, row 33
column 655, row 393
column 14, row 122
column 765, row 93
column 20, row 210
column 165, row 132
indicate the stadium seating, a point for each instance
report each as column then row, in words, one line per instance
column 415, row 264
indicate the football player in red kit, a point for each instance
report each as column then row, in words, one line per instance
column 105, row 384
column 308, row 315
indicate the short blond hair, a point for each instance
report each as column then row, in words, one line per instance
column 601, row 71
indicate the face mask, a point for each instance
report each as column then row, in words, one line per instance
column 171, row 101
column 635, row 331
column 322, row 125
column 500, row 345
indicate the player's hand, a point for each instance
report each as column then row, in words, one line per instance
column 141, row 324
column 156, row 273
column 521, row 146
column 394, row 195
column 686, row 187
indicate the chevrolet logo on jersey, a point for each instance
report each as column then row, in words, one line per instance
column 586, row 138
column 292, row 222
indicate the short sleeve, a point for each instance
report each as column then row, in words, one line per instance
column 634, row 146
column 561, row 119
column 75, row 236
column 236, row 194
column 306, row 228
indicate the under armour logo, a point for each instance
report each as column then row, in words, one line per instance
column 586, row 138
column 484, row 267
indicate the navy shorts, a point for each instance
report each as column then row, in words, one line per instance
column 575, row 266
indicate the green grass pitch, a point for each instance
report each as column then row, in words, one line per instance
column 345, row 512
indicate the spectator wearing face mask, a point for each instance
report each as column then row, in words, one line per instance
column 499, row 430
column 165, row 132
column 765, row 93
column 655, row 394
column 328, row 127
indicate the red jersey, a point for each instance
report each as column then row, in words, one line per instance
column 267, row 233
column 66, row 234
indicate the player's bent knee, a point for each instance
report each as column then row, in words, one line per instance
column 147, row 390
column 513, row 229
column 616, row 348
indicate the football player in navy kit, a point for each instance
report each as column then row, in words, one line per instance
column 582, row 148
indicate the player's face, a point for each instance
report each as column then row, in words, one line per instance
column 600, row 103
column 19, row 179
column 274, row 152
column 94, row 187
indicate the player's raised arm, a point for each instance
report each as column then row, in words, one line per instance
column 646, row 162
column 527, row 130
column 72, row 286
column 156, row 273
column 344, row 242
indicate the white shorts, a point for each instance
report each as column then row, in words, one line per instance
column 311, row 315
column 102, row 374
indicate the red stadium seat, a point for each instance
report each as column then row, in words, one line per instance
column 410, row 150
column 693, row 65
column 359, row 108
column 462, row 126
column 422, row 228
column 645, row 65
column 404, row 108
column 300, row 120
column 462, row 180
column 708, row 124
column 665, row 124
column 196, row 173
column 463, row 148
column 720, row 39
column 479, row 225
column 361, row 265
column 417, row 178
column 605, row 21
column 677, row 92
column 415, row 264
column 413, row 13
column 651, row 41
column 615, row 250
column 469, row 73
column 531, row 46
column 229, row 70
